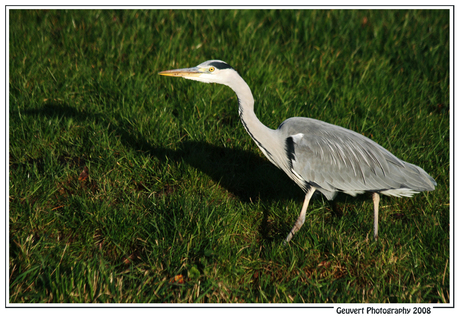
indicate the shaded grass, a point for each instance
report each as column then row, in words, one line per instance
column 128, row 187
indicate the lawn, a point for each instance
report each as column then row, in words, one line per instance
column 126, row 186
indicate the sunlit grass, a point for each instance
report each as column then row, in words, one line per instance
column 129, row 187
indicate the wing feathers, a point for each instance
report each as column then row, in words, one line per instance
column 337, row 159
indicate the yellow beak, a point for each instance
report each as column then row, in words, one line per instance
column 183, row 72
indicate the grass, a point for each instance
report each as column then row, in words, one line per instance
column 125, row 186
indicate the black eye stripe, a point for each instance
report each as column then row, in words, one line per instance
column 220, row 65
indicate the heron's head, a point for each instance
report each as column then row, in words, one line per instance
column 213, row 71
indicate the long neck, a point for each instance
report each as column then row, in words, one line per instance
column 261, row 134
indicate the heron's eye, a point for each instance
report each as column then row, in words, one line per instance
column 212, row 68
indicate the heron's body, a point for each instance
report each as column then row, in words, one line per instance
column 332, row 159
column 318, row 155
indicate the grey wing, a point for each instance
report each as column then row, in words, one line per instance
column 332, row 159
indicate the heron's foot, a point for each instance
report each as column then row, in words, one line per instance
column 288, row 238
column 376, row 199
column 301, row 219
column 298, row 224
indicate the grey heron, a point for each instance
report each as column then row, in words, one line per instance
column 317, row 155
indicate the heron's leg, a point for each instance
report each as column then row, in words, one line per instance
column 298, row 224
column 376, row 199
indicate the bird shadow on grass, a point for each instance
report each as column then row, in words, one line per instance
column 245, row 175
